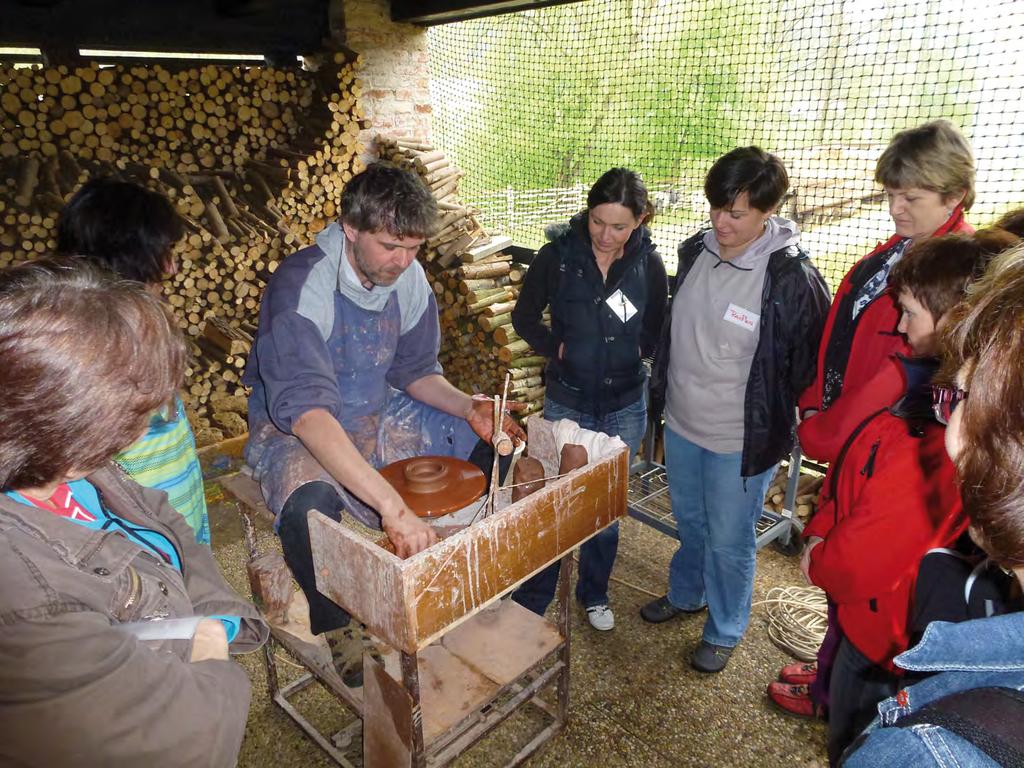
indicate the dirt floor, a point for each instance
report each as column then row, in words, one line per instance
column 634, row 700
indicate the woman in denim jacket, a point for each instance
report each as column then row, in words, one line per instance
column 966, row 715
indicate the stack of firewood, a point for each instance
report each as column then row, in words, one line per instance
column 188, row 119
column 807, row 491
column 253, row 159
column 476, row 285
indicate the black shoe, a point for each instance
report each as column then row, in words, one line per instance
column 710, row 657
column 661, row 610
column 347, row 647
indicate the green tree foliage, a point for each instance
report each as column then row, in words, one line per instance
column 553, row 97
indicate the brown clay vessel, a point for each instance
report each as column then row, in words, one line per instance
column 433, row 486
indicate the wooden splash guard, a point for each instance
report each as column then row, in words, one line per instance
column 410, row 603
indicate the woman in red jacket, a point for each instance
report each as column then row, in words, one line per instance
column 891, row 495
column 928, row 176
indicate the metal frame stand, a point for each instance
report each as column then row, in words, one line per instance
column 550, row 671
column 649, row 500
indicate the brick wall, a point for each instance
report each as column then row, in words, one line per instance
column 396, row 75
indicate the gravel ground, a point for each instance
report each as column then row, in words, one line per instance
column 634, row 699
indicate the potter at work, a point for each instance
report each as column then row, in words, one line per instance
column 345, row 379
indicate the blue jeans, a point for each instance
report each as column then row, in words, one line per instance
column 716, row 511
column 597, row 554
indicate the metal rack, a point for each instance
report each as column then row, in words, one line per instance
column 649, row 500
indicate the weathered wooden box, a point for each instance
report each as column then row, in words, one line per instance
column 410, row 603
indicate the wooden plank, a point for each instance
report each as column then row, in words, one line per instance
column 450, row 689
column 495, row 244
column 232, row 447
column 465, row 572
column 502, row 641
column 363, row 578
column 410, row 603
column 387, row 719
column 247, row 491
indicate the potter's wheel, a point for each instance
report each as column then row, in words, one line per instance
column 433, row 486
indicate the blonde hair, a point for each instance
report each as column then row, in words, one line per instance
column 933, row 156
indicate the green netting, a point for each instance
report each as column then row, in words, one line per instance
column 535, row 105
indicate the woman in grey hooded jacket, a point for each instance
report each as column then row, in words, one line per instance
column 738, row 346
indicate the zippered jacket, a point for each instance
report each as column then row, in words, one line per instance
column 75, row 688
column 891, row 496
column 605, row 325
column 853, row 350
column 794, row 305
column 984, row 653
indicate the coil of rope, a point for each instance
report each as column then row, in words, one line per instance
column 797, row 619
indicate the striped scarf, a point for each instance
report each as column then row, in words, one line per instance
column 165, row 459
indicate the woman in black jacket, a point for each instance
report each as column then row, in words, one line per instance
column 747, row 312
column 606, row 287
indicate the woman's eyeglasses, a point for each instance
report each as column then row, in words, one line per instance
column 945, row 400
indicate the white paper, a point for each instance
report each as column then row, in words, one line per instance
column 746, row 319
column 162, row 629
column 620, row 304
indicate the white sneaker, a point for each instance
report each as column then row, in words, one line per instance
column 601, row 617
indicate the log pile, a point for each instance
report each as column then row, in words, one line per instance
column 189, row 120
column 476, row 285
column 253, row 159
column 807, row 491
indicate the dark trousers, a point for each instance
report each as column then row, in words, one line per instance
column 856, row 687
column 597, row 556
column 293, row 530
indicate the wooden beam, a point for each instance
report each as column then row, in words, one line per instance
column 432, row 12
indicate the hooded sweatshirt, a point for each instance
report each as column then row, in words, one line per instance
column 715, row 330
column 297, row 362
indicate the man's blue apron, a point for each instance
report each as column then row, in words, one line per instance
column 384, row 423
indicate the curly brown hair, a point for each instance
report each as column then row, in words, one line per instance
column 85, row 360
column 984, row 341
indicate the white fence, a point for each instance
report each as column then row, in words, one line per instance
column 523, row 214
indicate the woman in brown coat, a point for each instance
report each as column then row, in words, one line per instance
column 116, row 624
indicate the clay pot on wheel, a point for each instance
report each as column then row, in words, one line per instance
column 433, row 486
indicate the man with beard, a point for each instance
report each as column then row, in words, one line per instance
column 345, row 379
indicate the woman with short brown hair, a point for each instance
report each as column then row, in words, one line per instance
column 118, row 620
column 967, row 714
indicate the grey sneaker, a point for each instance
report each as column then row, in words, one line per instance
column 709, row 657
column 601, row 617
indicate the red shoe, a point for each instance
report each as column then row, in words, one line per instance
column 799, row 673
column 794, row 700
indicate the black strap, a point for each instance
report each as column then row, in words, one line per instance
column 989, row 718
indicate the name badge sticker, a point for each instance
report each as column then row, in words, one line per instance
column 621, row 306
column 744, row 318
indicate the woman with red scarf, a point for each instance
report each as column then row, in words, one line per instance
column 928, row 176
